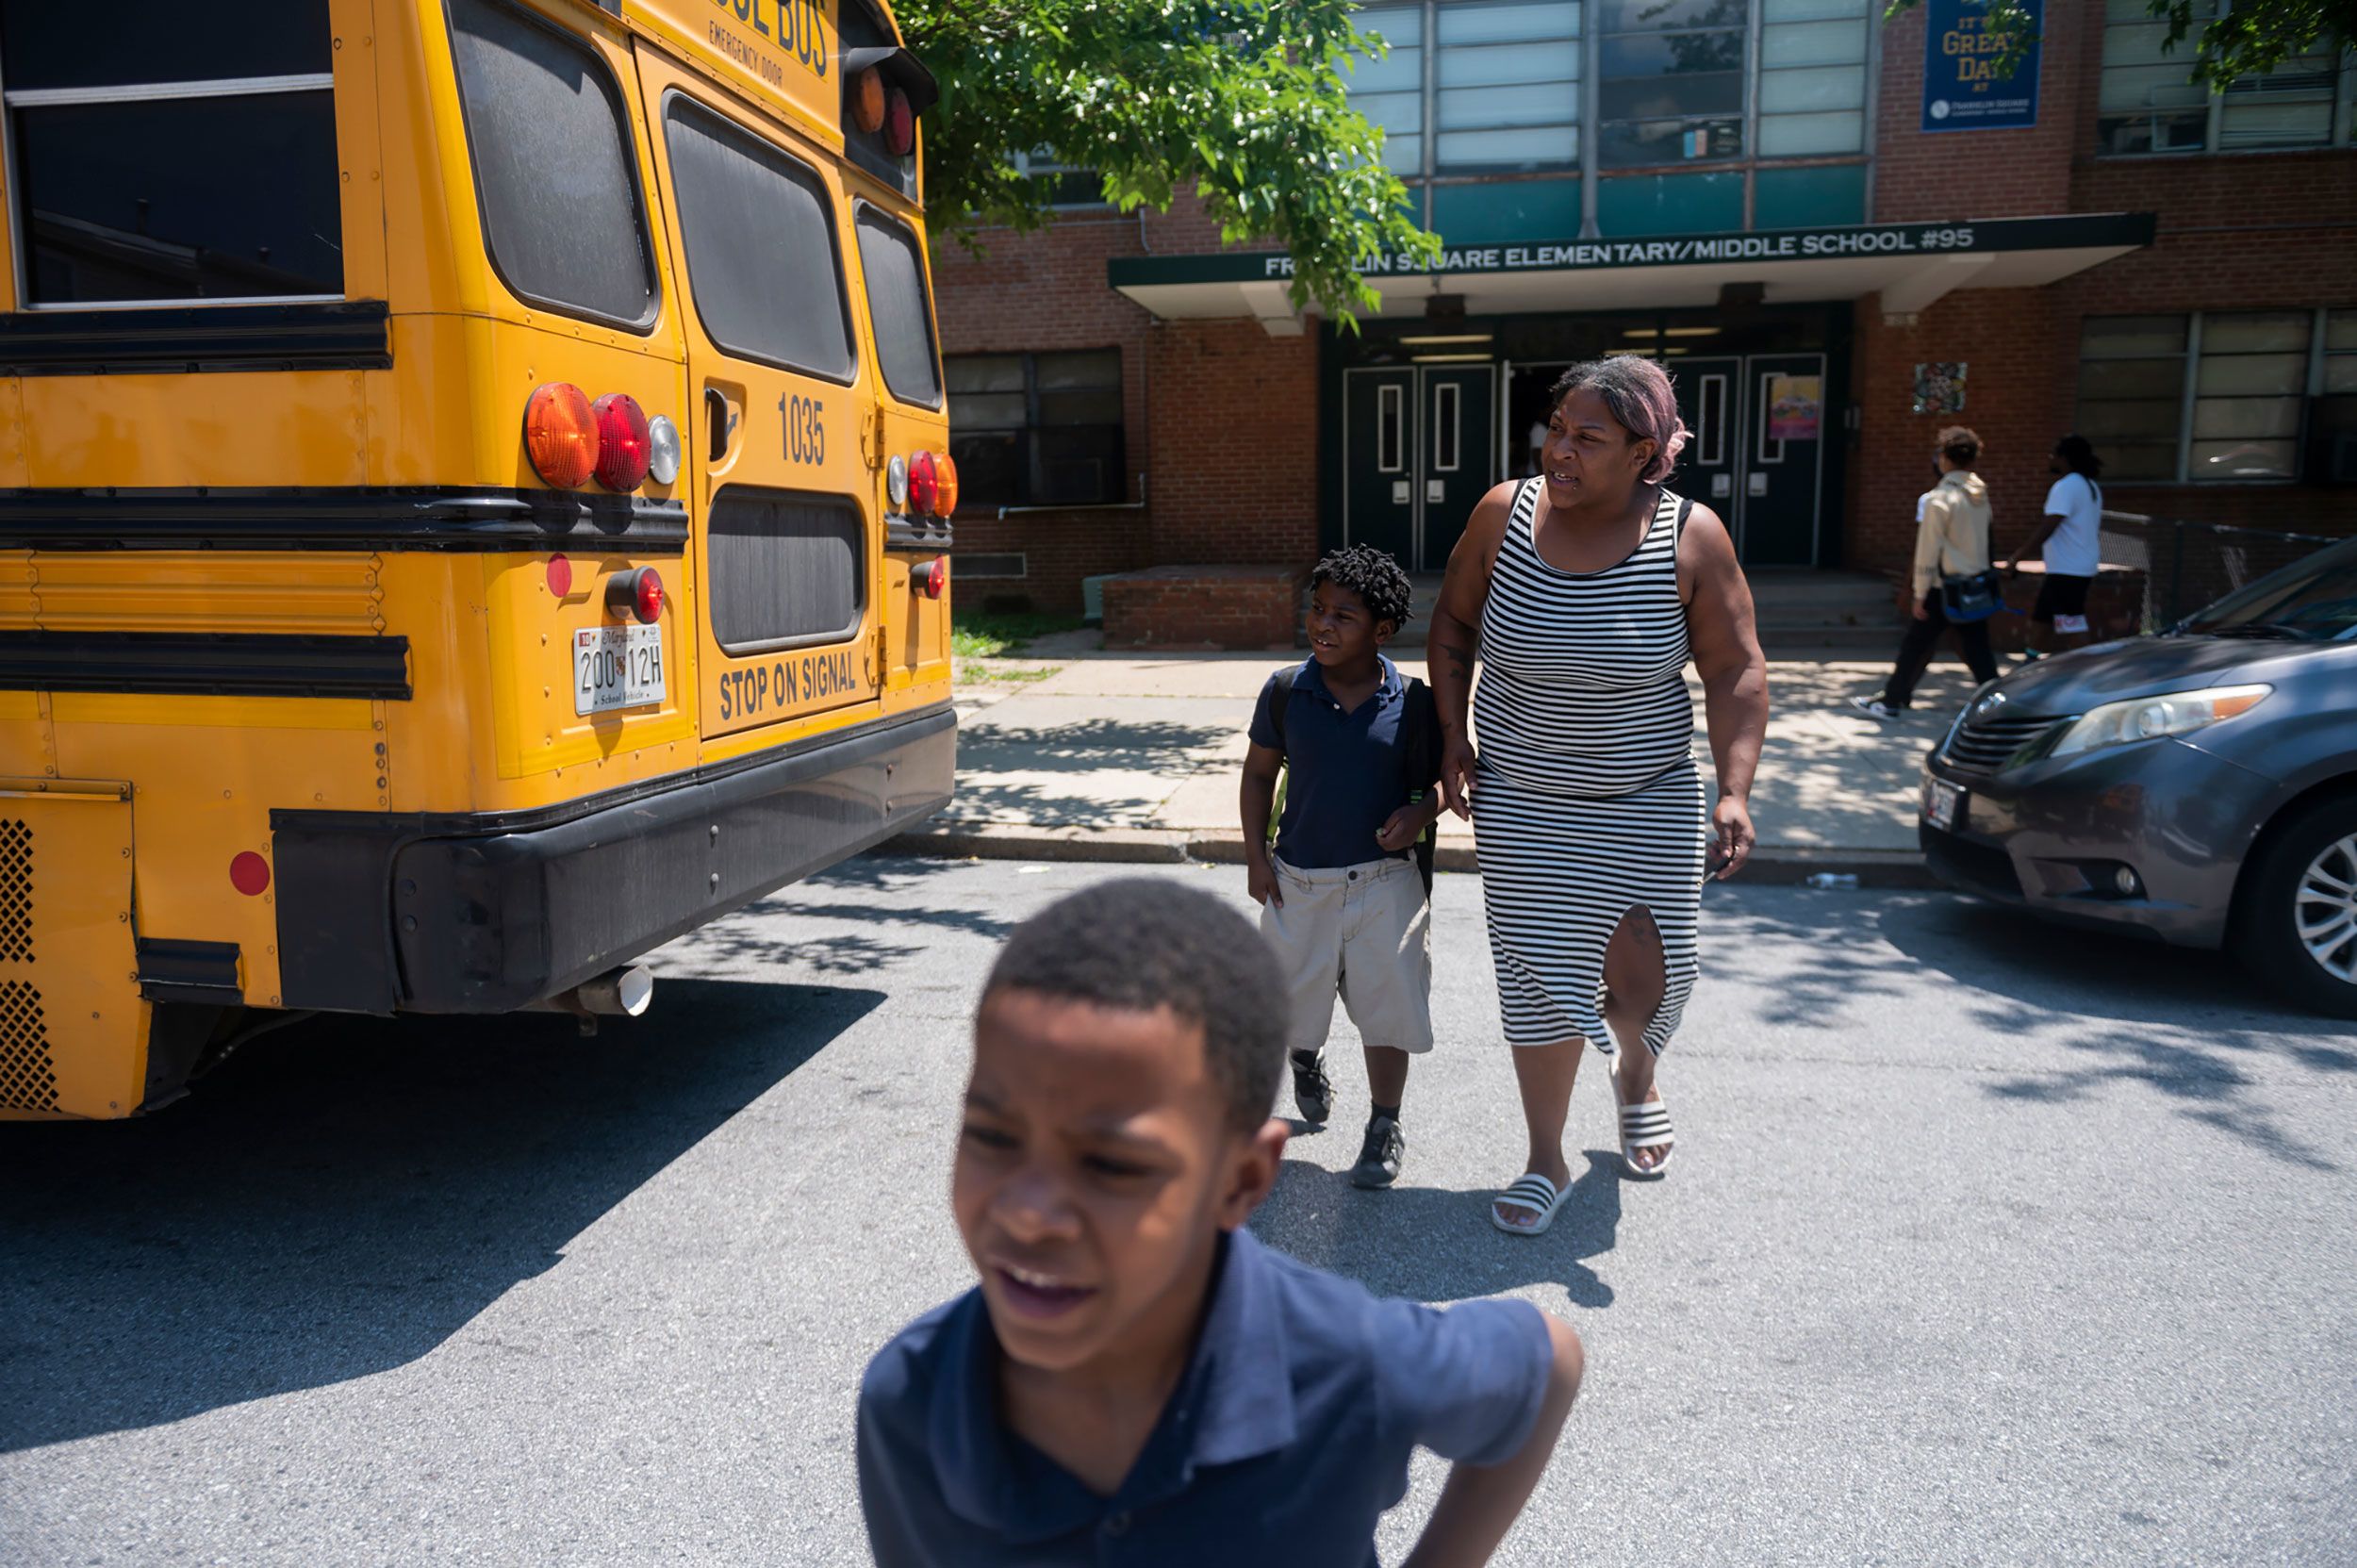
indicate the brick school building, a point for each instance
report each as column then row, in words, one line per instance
column 1839, row 233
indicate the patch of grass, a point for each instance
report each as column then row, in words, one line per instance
column 982, row 635
column 1013, row 674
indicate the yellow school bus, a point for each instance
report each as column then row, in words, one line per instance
column 473, row 504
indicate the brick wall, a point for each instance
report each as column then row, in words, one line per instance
column 1219, row 418
column 2246, row 231
column 1178, row 606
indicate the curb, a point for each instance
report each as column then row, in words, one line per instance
column 1771, row 866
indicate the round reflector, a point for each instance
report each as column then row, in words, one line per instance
column 561, row 435
column 867, row 101
column 899, row 125
column 897, row 480
column 624, row 443
column 946, row 484
column 560, row 576
column 249, row 873
column 924, row 484
column 663, row 450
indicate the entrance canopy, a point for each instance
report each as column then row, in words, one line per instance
column 1909, row 265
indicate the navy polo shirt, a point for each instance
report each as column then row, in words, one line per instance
column 1286, row 1436
column 1346, row 771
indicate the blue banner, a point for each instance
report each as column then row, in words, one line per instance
column 1962, row 89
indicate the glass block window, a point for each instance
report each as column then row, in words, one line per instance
column 1508, row 76
column 2131, row 392
column 1390, row 91
column 2247, row 392
column 1670, row 80
column 1812, row 77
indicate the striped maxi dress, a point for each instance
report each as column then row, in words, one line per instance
column 1587, row 803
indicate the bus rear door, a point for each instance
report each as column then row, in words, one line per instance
column 783, row 492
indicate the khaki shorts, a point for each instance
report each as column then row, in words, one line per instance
column 1364, row 931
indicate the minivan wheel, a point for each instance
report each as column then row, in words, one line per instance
column 2298, row 929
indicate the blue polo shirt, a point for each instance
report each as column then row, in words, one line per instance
column 1345, row 772
column 1286, row 1436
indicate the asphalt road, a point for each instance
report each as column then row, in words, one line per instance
column 1984, row 1244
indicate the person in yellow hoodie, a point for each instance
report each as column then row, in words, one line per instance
column 1951, row 540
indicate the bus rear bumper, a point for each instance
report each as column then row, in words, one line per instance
column 487, row 915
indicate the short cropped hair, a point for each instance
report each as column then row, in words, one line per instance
column 1960, row 446
column 1373, row 575
column 2078, row 455
column 1143, row 943
column 1637, row 395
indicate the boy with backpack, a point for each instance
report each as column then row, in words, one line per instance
column 1344, row 883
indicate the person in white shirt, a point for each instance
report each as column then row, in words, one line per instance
column 2070, row 540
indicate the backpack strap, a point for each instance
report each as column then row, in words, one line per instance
column 1284, row 683
column 1416, row 760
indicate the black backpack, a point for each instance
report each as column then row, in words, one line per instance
column 1416, row 748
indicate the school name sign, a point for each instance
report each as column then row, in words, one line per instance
column 1574, row 255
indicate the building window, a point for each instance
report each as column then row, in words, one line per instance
column 167, row 158
column 2215, row 396
column 1390, row 91
column 1670, row 81
column 1509, row 86
column 2148, row 103
column 1062, row 185
column 1037, row 429
column 1812, row 77
column 2332, row 421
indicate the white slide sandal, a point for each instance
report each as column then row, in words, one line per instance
column 1533, row 1192
column 1645, row 1125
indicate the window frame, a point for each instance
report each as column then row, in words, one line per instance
column 1032, row 426
column 645, row 326
column 2189, row 396
column 13, row 99
column 2340, row 118
column 675, row 97
column 862, row 208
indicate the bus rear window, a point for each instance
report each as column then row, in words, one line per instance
column 897, row 306
column 555, row 171
column 176, row 159
column 759, row 233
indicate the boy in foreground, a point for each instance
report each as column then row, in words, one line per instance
column 1345, row 902
column 1135, row 1366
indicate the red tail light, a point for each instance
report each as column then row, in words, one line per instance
column 899, row 125
column 639, row 592
column 625, row 445
column 932, row 577
column 561, row 435
column 924, row 484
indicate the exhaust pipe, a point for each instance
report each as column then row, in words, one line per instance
column 623, row 993
column 619, row 993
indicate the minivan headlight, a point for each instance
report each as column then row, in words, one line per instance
column 2173, row 713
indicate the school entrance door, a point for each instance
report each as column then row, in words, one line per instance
column 1757, row 454
column 1420, row 447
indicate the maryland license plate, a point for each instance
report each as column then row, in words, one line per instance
column 1943, row 804
column 616, row 666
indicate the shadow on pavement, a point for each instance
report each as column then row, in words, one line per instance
column 2188, row 1024
column 1014, row 775
column 345, row 1194
column 1430, row 1244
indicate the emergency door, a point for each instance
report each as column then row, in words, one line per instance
column 781, row 488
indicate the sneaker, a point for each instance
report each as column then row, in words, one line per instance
column 1378, row 1157
column 1313, row 1092
column 1875, row 707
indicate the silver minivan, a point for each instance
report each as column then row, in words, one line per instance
column 2198, row 786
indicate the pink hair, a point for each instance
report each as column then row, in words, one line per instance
column 1638, row 395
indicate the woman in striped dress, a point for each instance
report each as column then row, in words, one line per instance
column 1587, row 588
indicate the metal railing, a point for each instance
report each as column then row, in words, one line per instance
column 2187, row 565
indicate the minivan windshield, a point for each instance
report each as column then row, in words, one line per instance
column 2310, row 600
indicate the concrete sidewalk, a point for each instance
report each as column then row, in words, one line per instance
column 1072, row 754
